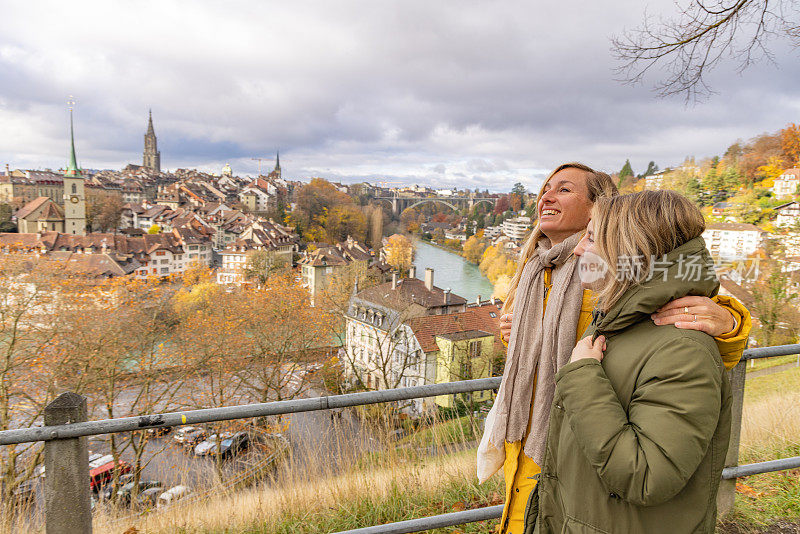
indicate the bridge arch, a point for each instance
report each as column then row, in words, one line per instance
column 489, row 201
column 432, row 200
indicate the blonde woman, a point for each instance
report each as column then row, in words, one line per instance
column 545, row 314
column 640, row 418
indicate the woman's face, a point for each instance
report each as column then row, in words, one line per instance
column 592, row 268
column 564, row 207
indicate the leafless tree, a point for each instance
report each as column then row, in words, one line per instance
column 703, row 33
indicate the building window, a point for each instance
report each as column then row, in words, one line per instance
column 74, row 189
column 474, row 348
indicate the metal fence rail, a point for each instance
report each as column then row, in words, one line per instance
column 228, row 413
column 66, row 456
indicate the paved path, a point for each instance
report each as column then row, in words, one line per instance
column 770, row 370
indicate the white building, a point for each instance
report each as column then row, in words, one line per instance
column 454, row 233
column 655, row 182
column 490, row 232
column 517, row 228
column 732, row 241
column 786, row 184
column 788, row 214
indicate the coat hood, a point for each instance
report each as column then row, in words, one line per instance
column 686, row 270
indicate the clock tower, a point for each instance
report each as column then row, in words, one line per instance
column 74, row 196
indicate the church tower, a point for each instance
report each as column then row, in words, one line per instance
column 277, row 171
column 74, row 197
column 151, row 157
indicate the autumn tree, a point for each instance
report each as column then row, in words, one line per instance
column 775, row 304
column 374, row 215
column 103, row 210
column 517, row 197
column 261, row 264
column 409, row 219
column 498, row 268
column 399, row 253
column 209, row 343
column 345, row 220
column 773, row 168
column 790, row 143
column 6, row 224
column 283, row 333
column 34, row 368
column 757, row 153
column 473, row 249
column 502, row 205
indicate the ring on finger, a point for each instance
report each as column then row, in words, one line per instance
column 686, row 310
column 695, row 319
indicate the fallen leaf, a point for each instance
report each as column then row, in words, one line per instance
column 459, row 506
column 744, row 489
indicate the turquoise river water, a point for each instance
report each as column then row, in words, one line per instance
column 451, row 271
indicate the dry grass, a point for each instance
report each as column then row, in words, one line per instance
column 360, row 497
column 770, row 430
column 771, row 425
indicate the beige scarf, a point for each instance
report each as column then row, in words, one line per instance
column 541, row 343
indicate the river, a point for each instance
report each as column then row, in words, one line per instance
column 451, row 270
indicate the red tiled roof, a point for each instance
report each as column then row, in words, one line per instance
column 477, row 318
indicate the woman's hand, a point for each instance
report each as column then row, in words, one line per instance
column 505, row 326
column 696, row 313
column 586, row 349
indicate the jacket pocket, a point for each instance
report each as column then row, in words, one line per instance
column 575, row 526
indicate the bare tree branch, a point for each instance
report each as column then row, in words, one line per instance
column 703, row 33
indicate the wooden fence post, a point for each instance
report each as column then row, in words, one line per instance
column 727, row 488
column 66, row 488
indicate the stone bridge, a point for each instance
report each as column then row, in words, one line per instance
column 400, row 203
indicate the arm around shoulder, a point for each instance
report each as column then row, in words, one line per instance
column 731, row 345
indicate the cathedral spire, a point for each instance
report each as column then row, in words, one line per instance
column 72, row 165
column 278, row 161
column 150, row 129
column 151, row 157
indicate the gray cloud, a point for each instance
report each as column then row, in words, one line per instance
column 481, row 94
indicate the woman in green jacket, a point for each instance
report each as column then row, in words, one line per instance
column 640, row 420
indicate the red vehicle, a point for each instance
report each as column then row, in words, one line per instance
column 102, row 474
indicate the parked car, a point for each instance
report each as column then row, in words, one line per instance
column 234, row 444
column 126, row 492
column 172, row 495
column 209, row 446
column 148, row 497
column 126, row 489
column 101, row 475
column 189, row 436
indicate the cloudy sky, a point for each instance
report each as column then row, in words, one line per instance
column 467, row 93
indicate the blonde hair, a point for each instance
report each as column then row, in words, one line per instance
column 631, row 230
column 599, row 185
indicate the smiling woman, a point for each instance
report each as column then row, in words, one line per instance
column 547, row 312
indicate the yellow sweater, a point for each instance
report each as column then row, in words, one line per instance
column 519, row 470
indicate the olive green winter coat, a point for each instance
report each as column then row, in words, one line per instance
column 637, row 443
